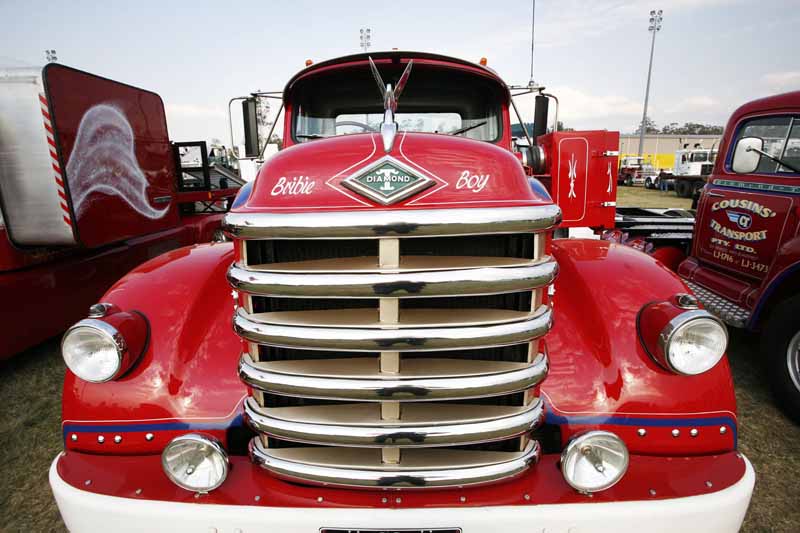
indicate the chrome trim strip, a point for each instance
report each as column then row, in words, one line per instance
column 397, row 433
column 406, row 284
column 417, row 339
column 376, row 224
column 396, row 387
column 388, row 476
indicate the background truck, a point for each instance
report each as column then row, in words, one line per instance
column 692, row 167
column 410, row 348
column 739, row 252
column 744, row 261
column 636, row 171
column 90, row 186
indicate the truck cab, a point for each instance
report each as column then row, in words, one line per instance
column 635, row 170
column 393, row 340
column 692, row 167
column 695, row 162
column 745, row 256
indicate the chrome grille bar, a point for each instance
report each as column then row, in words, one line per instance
column 424, row 469
column 422, row 425
column 465, row 281
column 360, row 379
column 315, row 336
column 372, row 223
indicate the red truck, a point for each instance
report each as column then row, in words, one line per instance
column 90, row 187
column 744, row 259
column 393, row 341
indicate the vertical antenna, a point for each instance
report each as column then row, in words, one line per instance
column 532, row 83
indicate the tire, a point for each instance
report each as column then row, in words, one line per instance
column 683, row 189
column 648, row 183
column 780, row 349
column 629, row 181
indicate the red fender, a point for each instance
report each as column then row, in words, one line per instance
column 186, row 379
column 602, row 377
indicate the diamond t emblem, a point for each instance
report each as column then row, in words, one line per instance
column 387, row 181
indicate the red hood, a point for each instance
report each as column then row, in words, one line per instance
column 466, row 173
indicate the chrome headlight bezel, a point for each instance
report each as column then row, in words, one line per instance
column 198, row 440
column 680, row 323
column 106, row 331
column 575, row 448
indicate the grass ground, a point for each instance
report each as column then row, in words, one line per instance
column 641, row 197
column 30, row 437
column 30, row 386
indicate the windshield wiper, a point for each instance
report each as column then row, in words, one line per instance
column 465, row 130
column 778, row 160
column 311, row 136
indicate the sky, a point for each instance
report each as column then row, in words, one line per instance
column 710, row 55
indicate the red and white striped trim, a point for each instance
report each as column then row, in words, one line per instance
column 57, row 174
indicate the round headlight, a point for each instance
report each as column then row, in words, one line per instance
column 93, row 350
column 694, row 342
column 195, row 462
column 594, row 461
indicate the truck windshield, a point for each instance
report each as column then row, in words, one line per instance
column 699, row 157
column 435, row 100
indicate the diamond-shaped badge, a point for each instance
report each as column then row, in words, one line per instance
column 387, row 181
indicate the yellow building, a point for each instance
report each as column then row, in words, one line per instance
column 659, row 150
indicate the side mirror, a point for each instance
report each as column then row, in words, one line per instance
column 746, row 156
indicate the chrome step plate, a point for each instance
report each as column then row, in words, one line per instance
column 730, row 313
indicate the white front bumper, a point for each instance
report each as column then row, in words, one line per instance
column 721, row 511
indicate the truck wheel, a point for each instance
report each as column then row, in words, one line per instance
column 648, row 183
column 780, row 348
column 629, row 181
column 683, row 189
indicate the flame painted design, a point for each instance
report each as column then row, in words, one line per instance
column 103, row 160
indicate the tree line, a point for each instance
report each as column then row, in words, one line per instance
column 673, row 128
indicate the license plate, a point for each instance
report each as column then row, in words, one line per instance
column 440, row 530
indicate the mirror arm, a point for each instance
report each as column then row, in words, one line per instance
column 269, row 135
column 521, row 123
column 776, row 159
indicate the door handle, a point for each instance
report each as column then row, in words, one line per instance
column 716, row 194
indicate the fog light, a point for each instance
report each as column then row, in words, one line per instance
column 93, row 350
column 693, row 342
column 195, row 462
column 594, row 461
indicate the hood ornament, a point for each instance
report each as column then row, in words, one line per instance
column 390, row 96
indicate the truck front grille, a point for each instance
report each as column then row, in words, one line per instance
column 394, row 348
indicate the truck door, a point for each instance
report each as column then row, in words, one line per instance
column 744, row 219
column 584, row 176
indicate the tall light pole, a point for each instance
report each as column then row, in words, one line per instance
column 366, row 35
column 532, row 83
column 655, row 26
